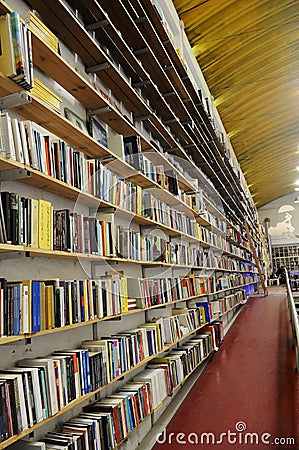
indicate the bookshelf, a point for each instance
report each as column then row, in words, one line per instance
column 285, row 255
column 136, row 85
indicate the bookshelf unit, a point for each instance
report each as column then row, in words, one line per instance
column 116, row 63
column 286, row 255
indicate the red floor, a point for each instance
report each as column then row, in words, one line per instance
column 251, row 379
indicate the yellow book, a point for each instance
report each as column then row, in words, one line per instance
column 41, row 30
column 203, row 314
column 45, row 224
column 85, row 301
column 7, row 62
column 34, row 223
column 124, row 294
column 45, row 94
column 49, row 304
column 139, row 200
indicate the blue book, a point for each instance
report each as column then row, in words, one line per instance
column 17, row 309
column 87, row 366
column 82, row 300
column 35, row 294
column 84, row 372
column 207, row 309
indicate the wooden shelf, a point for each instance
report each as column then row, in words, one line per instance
column 8, row 86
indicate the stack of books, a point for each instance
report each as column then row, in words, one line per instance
column 40, row 30
column 46, row 95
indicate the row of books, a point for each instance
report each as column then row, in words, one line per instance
column 184, row 321
column 16, row 50
column 30, row 144
column 31, row 222
column 234, row 264
column 237, row 235
column 222, row 305
column 242, row 253
column 157, row 291
column 106, row 423
column 213, row 238
column 230, row 301
column 40, row 387
column 180, row 362
column 31, row 306
column 131, row 244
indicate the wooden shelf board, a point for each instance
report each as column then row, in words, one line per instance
column 8, row 86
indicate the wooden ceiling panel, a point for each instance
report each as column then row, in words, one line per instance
column 249, row 54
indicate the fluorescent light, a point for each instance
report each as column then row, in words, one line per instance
column 297, row 168
column 297, row 189
column 297, row 182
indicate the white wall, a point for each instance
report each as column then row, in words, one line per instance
column 284, row 219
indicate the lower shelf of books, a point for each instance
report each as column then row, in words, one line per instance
column 41, row 389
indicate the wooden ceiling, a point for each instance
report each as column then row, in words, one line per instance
column 248, row 51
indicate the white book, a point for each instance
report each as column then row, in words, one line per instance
column 28, row 126
column 116, row 145
column 48, row 364
column 27, row 390
column 64, row 380
column 11, row 376
column 17, row 140
column 77, row 375
column 24, row 144
column 25, row 310
column 8, row 149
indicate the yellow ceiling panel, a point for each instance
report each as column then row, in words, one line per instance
column 248, row 51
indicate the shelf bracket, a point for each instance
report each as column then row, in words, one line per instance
column 140, row 84
column 141, row 51
column 12, row 255
column 169, row 121
column 98, row 67
column 14, row 174
column 143, row 118
column 99, row 111
column 13, row 100
column 140, row 19
column 97, row 25
column 166, row 68
column 168, row 94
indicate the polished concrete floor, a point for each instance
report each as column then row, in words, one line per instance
column 248, row 395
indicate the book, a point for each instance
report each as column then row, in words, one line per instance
column 8, row 144
column 45, row 225
column 7, row 61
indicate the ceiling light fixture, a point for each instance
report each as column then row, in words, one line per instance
column 297, row 182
